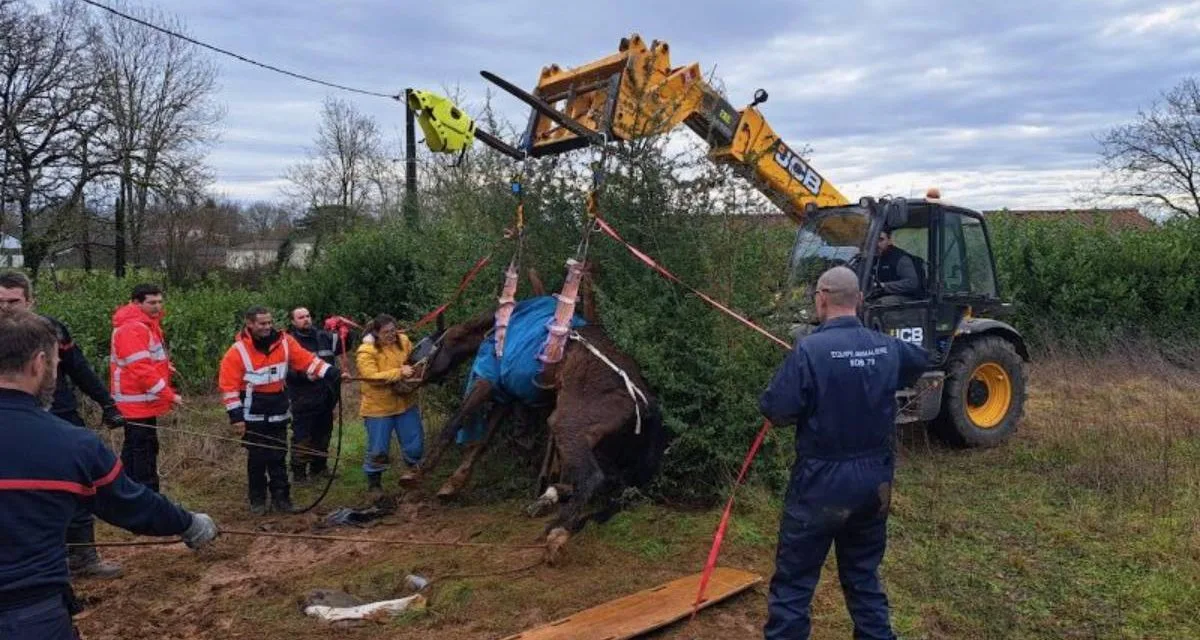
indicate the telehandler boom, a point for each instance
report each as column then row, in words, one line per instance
column 975, row 395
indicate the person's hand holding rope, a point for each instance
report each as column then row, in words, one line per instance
column 112, row 418
column 239, row 429
column 200, row 532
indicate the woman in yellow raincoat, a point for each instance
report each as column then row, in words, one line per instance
column 380, row 359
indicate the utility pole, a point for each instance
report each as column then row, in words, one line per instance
column 4, row 191
column 119, row 256
column 410, row 161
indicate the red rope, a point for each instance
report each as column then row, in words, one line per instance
column 641, row 255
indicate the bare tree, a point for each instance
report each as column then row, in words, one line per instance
column 46, row 94
column 344, row 163
column 262, row 220
column 156, row 93
column 186, row 235
column 1157, row 157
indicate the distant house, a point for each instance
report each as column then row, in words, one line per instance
column 10, row 252
column 209, row 257
column 1115, row 219
column 262, row 253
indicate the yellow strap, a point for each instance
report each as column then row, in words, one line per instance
column 593, row 204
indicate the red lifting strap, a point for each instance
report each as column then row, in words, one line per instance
column 715, row 551
column 640, row 255
column 462, row 286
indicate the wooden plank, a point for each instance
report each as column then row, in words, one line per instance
column 644, row 611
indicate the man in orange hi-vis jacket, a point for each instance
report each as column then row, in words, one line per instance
column 252, row 383
column 140, row 379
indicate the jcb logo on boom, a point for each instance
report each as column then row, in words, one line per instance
column 914, row 335
column 798, row 168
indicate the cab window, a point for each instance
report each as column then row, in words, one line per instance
column 966, row 264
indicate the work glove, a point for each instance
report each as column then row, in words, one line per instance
column 112, row 418
column 202, row 531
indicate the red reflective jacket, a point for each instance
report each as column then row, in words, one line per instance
column 139, row 369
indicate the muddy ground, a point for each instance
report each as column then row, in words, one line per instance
column 251, row 587
column 1085, row 525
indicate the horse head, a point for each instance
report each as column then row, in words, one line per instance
column 445, row 349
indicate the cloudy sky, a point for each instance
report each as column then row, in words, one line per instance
column 999, row 103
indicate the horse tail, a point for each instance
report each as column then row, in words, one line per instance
column 653, row 447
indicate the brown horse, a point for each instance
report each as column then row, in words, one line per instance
column 607, row 434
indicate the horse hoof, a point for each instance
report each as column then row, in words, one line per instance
column 538, row 508
column 555, row 541
column 447, row 492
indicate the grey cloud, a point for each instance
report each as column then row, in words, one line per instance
column 1000, row 101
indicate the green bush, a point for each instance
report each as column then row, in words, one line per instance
column 1085, row 286
column 199, row 324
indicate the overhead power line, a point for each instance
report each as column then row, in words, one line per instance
column 231, row 54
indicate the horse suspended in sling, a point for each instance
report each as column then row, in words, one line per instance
column 605, row 423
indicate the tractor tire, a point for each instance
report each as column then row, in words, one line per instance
column 984, row 394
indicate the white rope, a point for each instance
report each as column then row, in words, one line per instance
column 634, row 392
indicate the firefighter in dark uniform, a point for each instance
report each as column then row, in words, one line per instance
column 838, row 386
column 313, row 401
column 48, row 470
column 16, row 291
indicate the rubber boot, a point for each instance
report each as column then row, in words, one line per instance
column 282, row 503
column 375, row 482
column 258, row 507
column 85, row 562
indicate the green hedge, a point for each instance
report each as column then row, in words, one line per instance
column 199, row 324
column 1085, row 286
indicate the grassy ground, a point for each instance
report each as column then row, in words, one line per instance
column 1086, row 525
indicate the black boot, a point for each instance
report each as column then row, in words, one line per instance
column 375, row 482
column 281, row 502
column 300, row 473
column 85, row 562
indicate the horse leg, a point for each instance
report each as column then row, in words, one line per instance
column 480, row 393
column 582, row 471
column 459, row 478
column 610, row 498
column 553, row 495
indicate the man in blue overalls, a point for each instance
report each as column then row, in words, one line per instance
column 838, row 386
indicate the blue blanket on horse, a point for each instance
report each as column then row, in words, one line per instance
column 512, row 376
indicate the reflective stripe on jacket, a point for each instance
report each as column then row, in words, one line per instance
column 252, row 383
column 139, row 369
column 315, row 395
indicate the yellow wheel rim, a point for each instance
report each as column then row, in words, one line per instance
column 989, row 395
